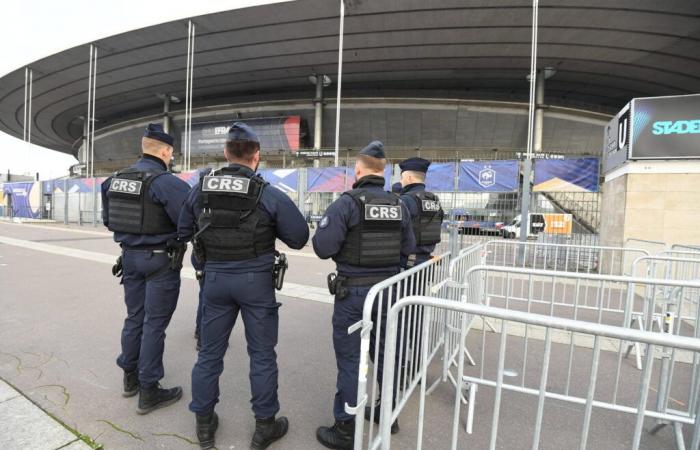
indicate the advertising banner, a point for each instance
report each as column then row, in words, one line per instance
column 337, row 179
column 275, row 134
column 440, row 177
column 489, row 176
column 285, row 180
column 24, row 198
column 328, row 179
column 75, row 185
column 567, row 175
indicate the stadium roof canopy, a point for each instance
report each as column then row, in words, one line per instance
column 605, row 53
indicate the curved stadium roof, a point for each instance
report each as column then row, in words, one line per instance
column 605, row 54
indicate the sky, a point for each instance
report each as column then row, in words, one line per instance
column 33, row 29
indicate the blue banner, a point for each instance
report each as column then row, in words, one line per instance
column 440, row 177
column 25, row 198
column 489, row 176
column 567, row 175
column 337, row 179
column 285, row 180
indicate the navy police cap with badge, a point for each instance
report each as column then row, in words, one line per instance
column 415, row 164
column 375, row 149
column 156, row 131
column 239, row 131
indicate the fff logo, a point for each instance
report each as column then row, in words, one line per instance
column 487, row 177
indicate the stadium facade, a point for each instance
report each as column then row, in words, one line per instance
column 445, row 78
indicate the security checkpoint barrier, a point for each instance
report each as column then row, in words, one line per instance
column 418, row 280
column 562, row 257
column 494, row 382
column 588, row 285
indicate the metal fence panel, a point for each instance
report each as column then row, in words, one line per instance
column 654, row 393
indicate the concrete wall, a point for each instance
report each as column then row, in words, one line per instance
column 612, row 212
column 655, row 207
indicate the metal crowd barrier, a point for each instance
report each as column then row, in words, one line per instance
column 562, row 257
column 418, row 280
column 665, row 391
column 686, row 248
column 454, row 286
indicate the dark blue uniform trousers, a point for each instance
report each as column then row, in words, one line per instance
column 347, row 312
column 200, row 306
column 149, row 305
column 225, row 295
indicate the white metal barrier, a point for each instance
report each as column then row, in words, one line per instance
column 562, row 257
column 418, row 280
column 673, row 404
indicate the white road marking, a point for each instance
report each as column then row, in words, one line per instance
column 300, row 291
column 108, row 234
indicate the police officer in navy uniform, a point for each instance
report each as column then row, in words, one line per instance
column 425, row 209
column 366, row 232
column 235, row 217
column 141, row 205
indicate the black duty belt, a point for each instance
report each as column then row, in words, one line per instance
column 144, row 247
column 365, row 281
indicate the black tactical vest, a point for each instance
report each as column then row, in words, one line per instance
column 232, row 227
column 427, row 224
column 131, row 209
column 376, row 240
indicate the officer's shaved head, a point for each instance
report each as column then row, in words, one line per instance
column 241, row 150
column 411, row 177
column 371, row 164
column 153, row 146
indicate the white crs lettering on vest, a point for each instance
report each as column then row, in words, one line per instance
column 132, row 187
column 225, row 183
column 382, row 212
column 431, row 205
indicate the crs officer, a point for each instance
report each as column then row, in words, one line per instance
column 425, row 209
column 234, row 217
column 366, row 232
column 141, row 205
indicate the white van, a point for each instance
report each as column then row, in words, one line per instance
column 550, row 223
column 512, row 230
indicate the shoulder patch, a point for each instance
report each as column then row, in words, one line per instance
column 324, row 222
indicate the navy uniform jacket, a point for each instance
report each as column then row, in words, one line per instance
column 412, row 206
column 344, row 214
column 290, row 227
column 167, row 190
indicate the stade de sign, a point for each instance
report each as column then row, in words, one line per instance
column 653, row 128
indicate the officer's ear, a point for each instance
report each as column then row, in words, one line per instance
column 256, row 157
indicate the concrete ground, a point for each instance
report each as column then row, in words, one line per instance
column 60, row 321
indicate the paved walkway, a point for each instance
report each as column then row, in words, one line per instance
column 23, row 425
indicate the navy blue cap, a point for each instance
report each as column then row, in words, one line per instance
column 415, row 164
column 375, row 149
column 396, row 187
column 155, row 131
column 239, row 131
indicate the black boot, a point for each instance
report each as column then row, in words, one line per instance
column 268, row 431
column 131, row 383
column 157, row 397
column 341, row 435
column 394, row 426
column 206, row 429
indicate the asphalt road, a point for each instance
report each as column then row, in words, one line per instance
column 60, row 321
